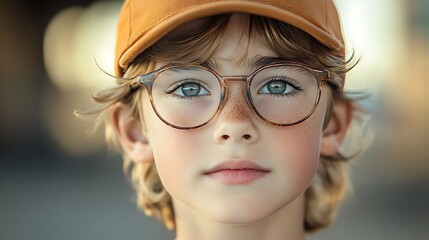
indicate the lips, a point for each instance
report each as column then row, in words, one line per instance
column 237, row 172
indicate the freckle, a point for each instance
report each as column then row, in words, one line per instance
column 235, row 108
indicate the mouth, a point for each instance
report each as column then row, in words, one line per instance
column 237, row 172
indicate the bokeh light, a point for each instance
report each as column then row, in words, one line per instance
column 371, row 29
column 78, row 42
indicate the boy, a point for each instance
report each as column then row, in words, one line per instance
column 230, row 114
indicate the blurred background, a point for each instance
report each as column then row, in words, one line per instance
column 56, row 182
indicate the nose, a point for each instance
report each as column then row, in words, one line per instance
column 236, row 120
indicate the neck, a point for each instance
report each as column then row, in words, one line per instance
column 286, row 223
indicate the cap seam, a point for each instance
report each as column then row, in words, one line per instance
column 129, row 24
column 326, row 12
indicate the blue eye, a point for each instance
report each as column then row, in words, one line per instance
column 190, row 89
column 278, row 87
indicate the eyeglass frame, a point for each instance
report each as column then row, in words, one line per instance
column 147, row 79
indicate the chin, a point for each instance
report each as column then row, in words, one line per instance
column 248, row 213
column 241, row 218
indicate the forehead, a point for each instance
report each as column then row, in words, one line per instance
column 239, row 45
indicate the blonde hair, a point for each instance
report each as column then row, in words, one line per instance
column 196, row 47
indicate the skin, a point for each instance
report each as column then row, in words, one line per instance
column 272, row 207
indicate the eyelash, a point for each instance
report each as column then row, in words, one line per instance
column 177, row 85
column 288, row 81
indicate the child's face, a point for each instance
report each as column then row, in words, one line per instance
column 290, row 155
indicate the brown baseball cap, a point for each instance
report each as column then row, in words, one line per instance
column 143, row 22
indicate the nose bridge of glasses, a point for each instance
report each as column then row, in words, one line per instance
column 236, row 104
column 235, row 78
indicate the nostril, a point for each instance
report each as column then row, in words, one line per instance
column 247, row 136
column 225, row 137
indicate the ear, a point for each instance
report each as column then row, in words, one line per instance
column 334, row 133
column 130, row 135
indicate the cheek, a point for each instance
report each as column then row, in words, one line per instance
column 298, row 149
column 172, row 149
column 301, row 153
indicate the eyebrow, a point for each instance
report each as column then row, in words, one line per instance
column 258, row 62
column 254, row 63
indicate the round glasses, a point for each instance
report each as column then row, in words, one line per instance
column 187, row 97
